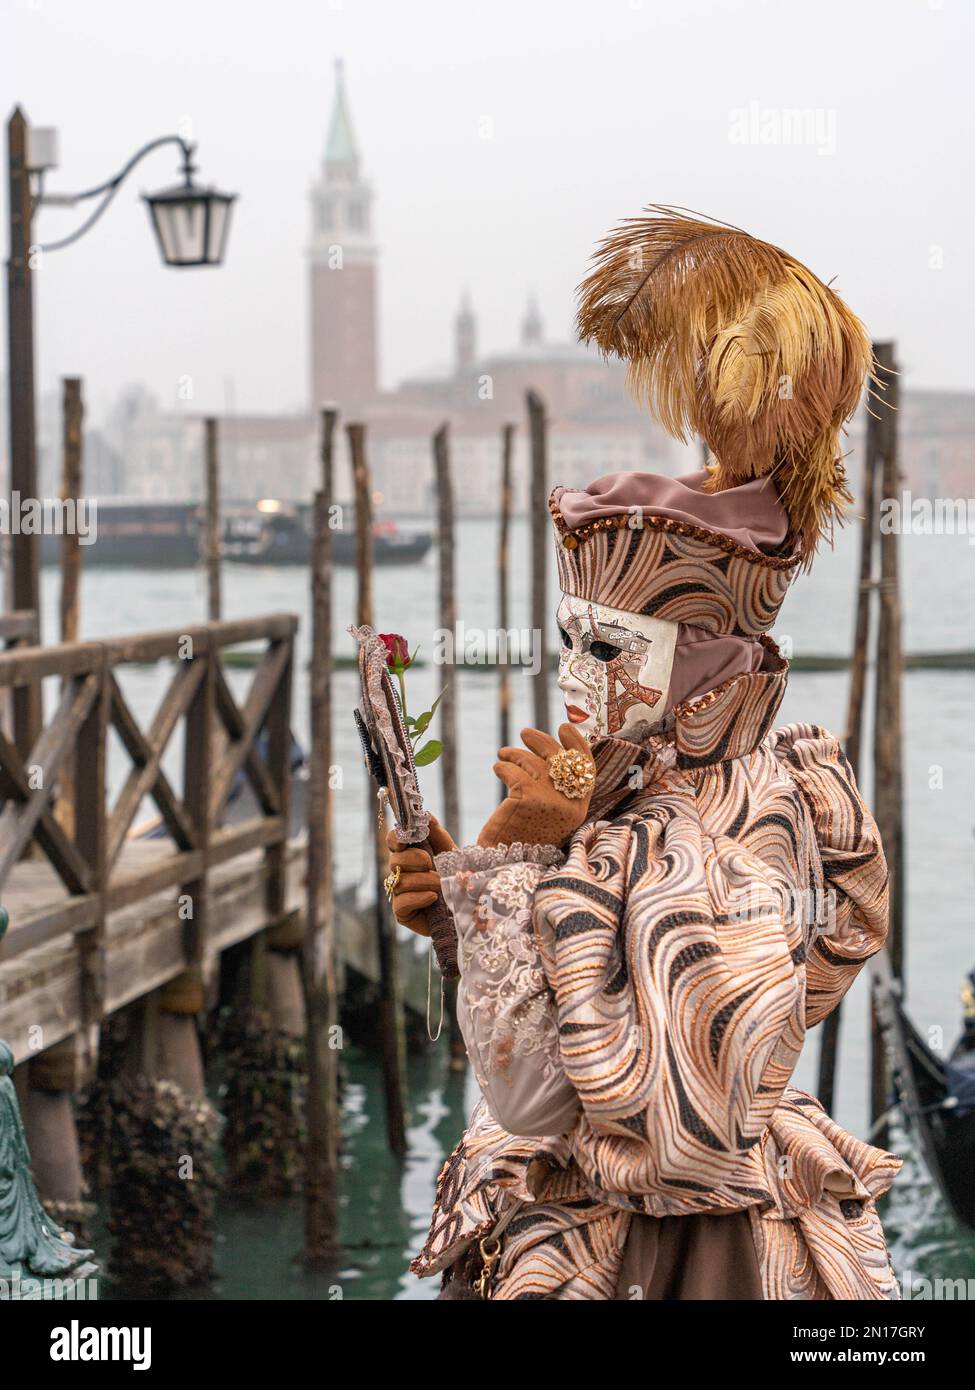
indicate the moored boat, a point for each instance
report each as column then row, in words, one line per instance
column 279, row 534
column 168, row 535
column 936, row 1094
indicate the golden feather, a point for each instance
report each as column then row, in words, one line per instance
column 733, row 339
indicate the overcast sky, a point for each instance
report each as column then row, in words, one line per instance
column 502, row 139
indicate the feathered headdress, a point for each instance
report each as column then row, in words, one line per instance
column 733, row 339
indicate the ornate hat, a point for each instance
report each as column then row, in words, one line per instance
column 670, row 549
column 732, row 339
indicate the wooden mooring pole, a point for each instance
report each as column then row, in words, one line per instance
column 448, row 623
column 888, row 793
column 391, row 1026
column 212, row 528
column 539, row 524
column 72, row 418
column 319, row 955
column 24, row 544
column 504, row 667
column 447, row 709
column 57, row 1075
column 829, row 1042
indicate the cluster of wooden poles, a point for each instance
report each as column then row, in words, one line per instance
column 319, row 955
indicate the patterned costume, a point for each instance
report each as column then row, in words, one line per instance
column 645, row 999
column 634, row 1001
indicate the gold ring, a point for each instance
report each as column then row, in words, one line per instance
column 572, row 773
column 391, row 882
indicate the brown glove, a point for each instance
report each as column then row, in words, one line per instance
column 536, row 811
column 419, row 882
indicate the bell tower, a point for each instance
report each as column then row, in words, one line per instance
column 343, row 270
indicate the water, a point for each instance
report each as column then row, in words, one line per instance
column 385, row 1208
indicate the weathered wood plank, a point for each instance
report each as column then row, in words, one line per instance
column 279, row 769
column 197, row 780
column 144, row 949
column 27, row 665
column 90, row 772
column 175, row 868
column 258, row 833
column 18, row 626
column 39, row 926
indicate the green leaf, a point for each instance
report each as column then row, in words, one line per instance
column 422, row 722
column 429, row 753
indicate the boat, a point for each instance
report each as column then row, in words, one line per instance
column 280, row 534
column 936, row 1094
column 151, row 535
column 169, row 535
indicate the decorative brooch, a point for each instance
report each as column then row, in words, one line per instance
column 571, row 773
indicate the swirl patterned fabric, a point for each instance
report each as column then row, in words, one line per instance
column 674, row 571
column 676, row 944
column 715, row 906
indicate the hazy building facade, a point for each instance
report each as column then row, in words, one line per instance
column 594, row 427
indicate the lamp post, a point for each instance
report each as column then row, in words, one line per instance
column 191, row 225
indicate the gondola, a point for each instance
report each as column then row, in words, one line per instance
column 936, row 1096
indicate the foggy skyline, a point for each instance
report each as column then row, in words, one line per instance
column 502, row 141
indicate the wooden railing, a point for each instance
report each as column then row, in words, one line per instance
column 17, row 627
column 57, row 798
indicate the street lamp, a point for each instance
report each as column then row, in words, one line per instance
column 190, row 224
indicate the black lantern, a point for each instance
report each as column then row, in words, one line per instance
column 190, row 223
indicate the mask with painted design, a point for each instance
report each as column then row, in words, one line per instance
column 614, row 667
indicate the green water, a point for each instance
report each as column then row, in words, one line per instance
column 385, row 1207
column 385, row 1204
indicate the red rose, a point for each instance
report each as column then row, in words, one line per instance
column 397, row 650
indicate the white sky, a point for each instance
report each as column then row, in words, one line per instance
column 597, row 107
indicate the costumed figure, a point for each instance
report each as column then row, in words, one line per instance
column 672, row 893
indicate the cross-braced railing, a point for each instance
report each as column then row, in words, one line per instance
column 56, row 802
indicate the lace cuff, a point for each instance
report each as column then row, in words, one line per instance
column 505, row 1008
column 473, row 858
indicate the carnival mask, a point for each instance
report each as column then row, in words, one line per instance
column 614, row 667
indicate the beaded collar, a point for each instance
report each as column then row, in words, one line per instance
column 728, row 722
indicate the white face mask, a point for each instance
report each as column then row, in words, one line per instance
column 614, row 667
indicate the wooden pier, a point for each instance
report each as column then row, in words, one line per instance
column 99, row 918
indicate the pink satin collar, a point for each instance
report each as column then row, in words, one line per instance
column 751, row 513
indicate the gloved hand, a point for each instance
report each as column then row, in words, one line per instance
column 419, row 882
column 536, row 811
